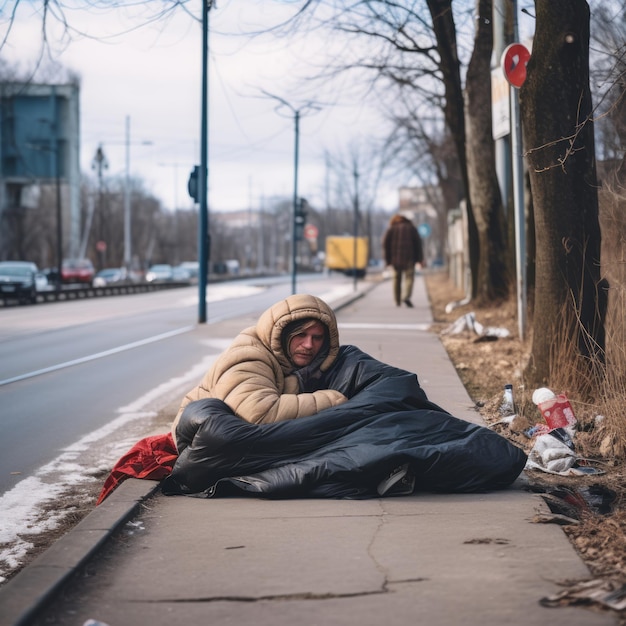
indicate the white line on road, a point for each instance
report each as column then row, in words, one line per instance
column 99, row 355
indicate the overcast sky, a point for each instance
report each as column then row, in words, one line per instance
column 153, row 75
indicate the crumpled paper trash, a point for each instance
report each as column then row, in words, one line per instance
column 551, row 455
column 607, row 593
column 469, row 322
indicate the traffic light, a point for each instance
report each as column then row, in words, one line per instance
column 300, row 218
column 193, row 186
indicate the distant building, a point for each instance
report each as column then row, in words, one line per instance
column 238, row 219
column 39, row 145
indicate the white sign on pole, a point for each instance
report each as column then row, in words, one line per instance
column 501, row 115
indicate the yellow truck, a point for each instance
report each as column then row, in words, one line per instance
column 347, row 254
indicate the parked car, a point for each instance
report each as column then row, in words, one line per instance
column 160, row 273
column 110, row 275
column 77, row 271
column 193, row 267
column 181, row 274
column 41, row 280
column 18, row 281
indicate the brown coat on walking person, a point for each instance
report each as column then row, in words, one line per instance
column 403, row 249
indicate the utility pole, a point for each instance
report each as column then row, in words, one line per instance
column 175, row 207
column 57, row 171
column 128, row 258
column 127, row 238
column 100, row 163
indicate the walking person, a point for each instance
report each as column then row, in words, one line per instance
column 402, row 246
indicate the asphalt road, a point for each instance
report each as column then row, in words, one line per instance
column 69, row 370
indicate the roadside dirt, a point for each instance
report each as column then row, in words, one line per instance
column 591, row 509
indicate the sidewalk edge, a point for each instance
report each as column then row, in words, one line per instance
column 29, row 591
column 345, row 301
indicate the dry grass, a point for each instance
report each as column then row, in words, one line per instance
column 612, row 393
column 612, row 201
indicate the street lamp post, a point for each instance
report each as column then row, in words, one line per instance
column 202, row 174
column 56, row 156
column 57, row 173
column 295, row 210
column 356, row 222
column 294, row 234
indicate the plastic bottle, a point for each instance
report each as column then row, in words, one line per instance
column 508, row 406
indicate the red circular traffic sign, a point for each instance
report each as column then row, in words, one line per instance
column 310, row 231
column 514, row 60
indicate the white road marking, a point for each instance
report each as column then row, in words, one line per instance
column 99, row 355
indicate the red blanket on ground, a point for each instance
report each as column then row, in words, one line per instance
column 152, row 458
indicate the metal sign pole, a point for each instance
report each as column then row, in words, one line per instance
column 520, row 222
column 514, row 60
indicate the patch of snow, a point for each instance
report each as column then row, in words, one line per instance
column 28, row 509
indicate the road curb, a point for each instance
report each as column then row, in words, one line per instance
column 361, row 292
column 22, row 597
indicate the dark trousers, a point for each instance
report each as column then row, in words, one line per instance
column 403, row 278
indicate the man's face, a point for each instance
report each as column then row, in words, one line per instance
column 304, row 346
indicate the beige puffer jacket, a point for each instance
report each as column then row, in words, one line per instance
column 255, row 377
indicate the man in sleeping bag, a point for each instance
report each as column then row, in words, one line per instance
column 286, row 411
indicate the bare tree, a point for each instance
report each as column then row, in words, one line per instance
column 608, row 79
column 555, row 101
column 608, row 75
column 492, row 282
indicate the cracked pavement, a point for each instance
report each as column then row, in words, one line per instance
column 239, row 560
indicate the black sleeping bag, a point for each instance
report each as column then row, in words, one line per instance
column 344, row 451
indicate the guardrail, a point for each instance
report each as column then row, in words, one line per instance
column 81, row 292
column 74, row 292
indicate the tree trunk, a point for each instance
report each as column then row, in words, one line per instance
column 555, row 103
column 491, row 278
column 445, row 34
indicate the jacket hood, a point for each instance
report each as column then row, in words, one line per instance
column 271, row 324
column 398, row 218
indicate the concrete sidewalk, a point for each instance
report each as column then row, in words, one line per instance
column 442, row 560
